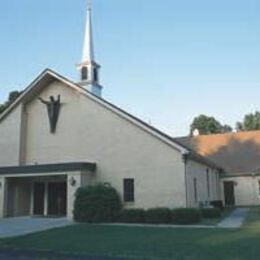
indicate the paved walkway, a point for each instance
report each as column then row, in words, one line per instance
column 155, row 225
column 235, row 219
column 11, row 227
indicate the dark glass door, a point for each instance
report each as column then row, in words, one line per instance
column 38, row 201
column 229, row 193
column 57, row 199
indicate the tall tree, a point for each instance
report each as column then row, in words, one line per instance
column 250, row 122
column 239, row 126
column 2, row 108
column 208, row 125
column 13, row 95
column 227, row 129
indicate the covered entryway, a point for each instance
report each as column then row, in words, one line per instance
column 49, row 198
column 57, row 199
column 37, row 196
column 229, row 193
column 42, row 190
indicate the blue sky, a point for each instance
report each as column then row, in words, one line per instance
column 164, row 61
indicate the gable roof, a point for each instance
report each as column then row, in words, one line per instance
column 237, row 153
column 48, row 76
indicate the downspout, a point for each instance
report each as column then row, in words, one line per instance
column 185, row 159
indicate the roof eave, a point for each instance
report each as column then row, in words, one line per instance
column 201, row 159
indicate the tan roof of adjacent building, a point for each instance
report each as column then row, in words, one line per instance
column 235, row 152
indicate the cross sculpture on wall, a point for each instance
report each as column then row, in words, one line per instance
column 53, row 109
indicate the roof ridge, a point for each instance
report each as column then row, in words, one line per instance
column 218, row 134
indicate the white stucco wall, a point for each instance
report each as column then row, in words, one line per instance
column 246, row 190
column 10, row 138
column 199, row 171
column 87, row 131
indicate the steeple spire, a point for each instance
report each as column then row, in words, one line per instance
column 88, row 51
column 89, row 69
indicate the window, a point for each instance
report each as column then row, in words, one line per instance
column 195, row 190
column 95, row 72
column 217, row 184
column 84, row 73
column 208, row 184
column 129, row 190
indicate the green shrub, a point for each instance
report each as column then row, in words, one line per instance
column 99, row 203
column 217, row 204
column 158, row 216
column 132, row 216
column 211, row 212
column 186, row 216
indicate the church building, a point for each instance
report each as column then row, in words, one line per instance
column 60, row 135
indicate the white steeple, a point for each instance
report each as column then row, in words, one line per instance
column 89, row 69
column 88, row 50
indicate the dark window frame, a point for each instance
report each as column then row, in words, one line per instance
column 95, row 74
column 129, row 189
column 84, row 73
column 208, row 182
column 195, row 190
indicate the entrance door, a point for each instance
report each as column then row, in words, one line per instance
column 229, row 193
column 57, row 199
column 38, row 201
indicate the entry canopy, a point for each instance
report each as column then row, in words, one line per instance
column 48, row 168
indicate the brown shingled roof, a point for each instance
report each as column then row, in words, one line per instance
column 235, row 152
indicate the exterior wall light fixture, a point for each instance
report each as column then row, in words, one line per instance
column 72, row 181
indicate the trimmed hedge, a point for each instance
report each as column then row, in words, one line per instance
column 132, row 216
column 99, row 203
column 158, row 216
column 217, row 204
column 186, row 216
column 211, row 213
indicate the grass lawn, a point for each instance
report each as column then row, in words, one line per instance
column 147, row 242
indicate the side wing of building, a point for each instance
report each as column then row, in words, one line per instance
column 203, row 183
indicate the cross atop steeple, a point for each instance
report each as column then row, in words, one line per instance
column 89, row 69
